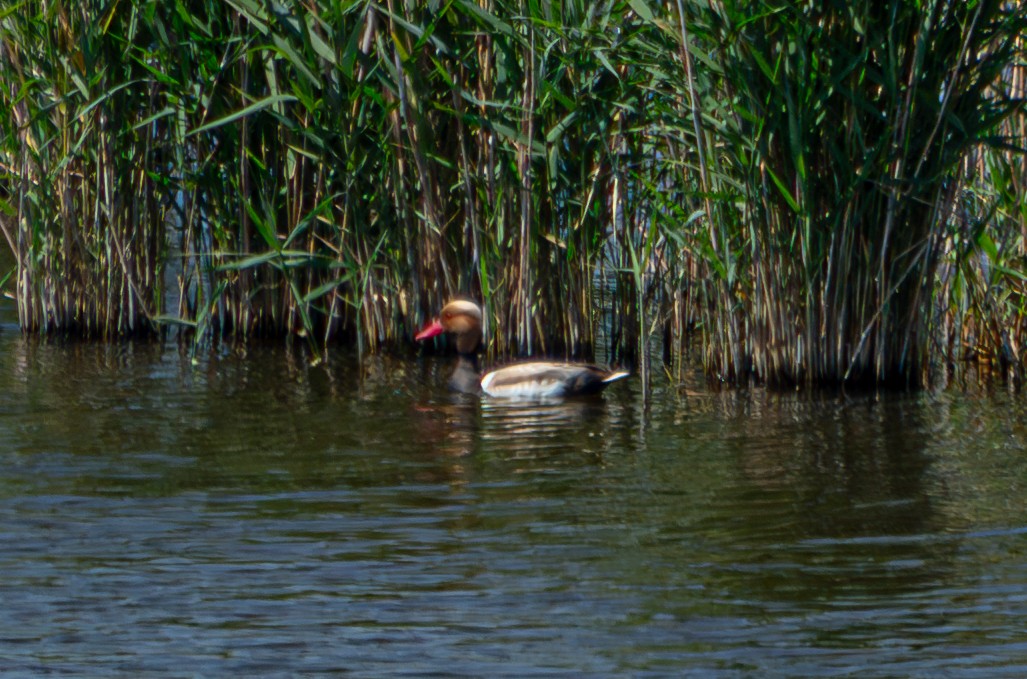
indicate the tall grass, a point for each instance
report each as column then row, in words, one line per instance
column 983, row 288
column 850, row 125
column 84, row 211
column 783, row 181
column 329, row 168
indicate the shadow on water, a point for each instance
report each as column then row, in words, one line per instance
column 251, row 514
column 840, row 527
column 848, row 488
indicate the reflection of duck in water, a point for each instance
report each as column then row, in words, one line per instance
column 534, row 380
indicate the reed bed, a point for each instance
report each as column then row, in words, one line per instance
column 850, row 130
column 807, row 193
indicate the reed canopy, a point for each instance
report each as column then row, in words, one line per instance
column 797, row 193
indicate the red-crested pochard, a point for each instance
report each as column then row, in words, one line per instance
column 534, row 380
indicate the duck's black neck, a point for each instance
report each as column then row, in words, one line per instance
column 466, row 378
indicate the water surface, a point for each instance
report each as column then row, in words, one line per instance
column 250, row 515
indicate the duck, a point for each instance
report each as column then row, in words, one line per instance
column 532, row 380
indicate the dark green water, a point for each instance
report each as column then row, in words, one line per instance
column 252, row 516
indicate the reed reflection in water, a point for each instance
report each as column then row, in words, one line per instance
column 251, row 514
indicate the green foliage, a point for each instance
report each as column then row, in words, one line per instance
column 782, row 176
column 858, row 116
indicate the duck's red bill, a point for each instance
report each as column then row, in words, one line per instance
column 431, row 330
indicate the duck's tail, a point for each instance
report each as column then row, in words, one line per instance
column 614, row 376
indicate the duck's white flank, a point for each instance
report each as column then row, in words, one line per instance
column 522, row 389
column 545, row 380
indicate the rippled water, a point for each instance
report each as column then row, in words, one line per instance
column 250, row 515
